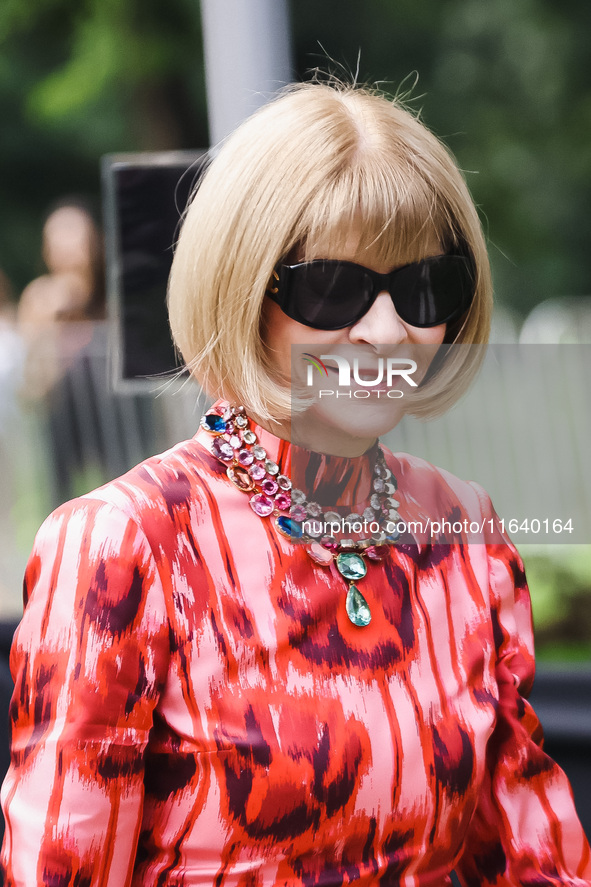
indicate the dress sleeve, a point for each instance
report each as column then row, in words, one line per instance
column 88, row 661
column 525, row 830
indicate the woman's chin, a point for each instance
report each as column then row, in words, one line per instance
column 347, row 423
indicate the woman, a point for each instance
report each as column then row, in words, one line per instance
column 200, row 699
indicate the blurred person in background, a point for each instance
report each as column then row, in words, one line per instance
column 199, row 699
column 59, row 316
column 73, row 288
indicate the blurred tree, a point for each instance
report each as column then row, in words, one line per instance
column 508, row 87
column 79, row 79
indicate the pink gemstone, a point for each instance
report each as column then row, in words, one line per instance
column 222, row 449
column 320, row 554
column 257, row 472
column 376, row 552
column 329, row 543
column 261, row 505
column 283, row 501
column 298, row 513
column 269, row 487
column 245, row 457
column 235, row 442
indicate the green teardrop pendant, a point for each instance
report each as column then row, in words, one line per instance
column 357, row 607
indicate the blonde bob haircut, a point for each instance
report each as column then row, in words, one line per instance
column 298, row 177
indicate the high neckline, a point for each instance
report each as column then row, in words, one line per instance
column 332, row 481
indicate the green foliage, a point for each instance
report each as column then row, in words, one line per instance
column 113, row 43
column 80, row 78
column 560, row 581
column 508, row 86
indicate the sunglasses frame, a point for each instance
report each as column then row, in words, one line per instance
column 281, row 288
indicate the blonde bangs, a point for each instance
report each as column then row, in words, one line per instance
column 392, row 226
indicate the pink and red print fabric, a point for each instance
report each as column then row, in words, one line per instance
column 193, row 706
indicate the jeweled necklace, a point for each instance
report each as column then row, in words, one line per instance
column 346, row 544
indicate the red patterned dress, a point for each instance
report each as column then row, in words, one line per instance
column 193, row 706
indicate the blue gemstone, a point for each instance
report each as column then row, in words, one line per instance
column 215, row 423
column 289, row 527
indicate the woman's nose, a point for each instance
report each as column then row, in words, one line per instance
column 381, row 325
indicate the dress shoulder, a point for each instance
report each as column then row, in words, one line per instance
column 175, row 480
column 440, row 507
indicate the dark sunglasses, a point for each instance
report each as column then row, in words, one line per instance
column 330, row 295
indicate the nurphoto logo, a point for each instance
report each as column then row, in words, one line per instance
column 378, row 379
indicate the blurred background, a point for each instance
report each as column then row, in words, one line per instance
column 506, row 84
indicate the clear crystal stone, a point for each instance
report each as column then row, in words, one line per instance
column 259, row 452
column 314, row 509
column 284, row 482
column 241, row 422
column 298, row 497
column 353, row 518
column 249, row 437
column 272, row 467
column 314, row 528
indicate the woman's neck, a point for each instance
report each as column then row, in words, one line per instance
column 318, row 437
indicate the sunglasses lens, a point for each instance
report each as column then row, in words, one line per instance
column 330, row 295
column 431, row 292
